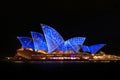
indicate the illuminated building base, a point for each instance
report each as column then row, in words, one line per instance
column 28, row 55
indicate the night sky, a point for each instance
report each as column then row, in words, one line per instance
column 98, row 21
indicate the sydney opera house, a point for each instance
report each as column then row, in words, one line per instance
column 51, row 46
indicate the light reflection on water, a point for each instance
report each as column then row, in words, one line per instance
column 63, row 62
column 65, row 66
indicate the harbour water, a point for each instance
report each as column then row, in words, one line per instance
column 58, row 70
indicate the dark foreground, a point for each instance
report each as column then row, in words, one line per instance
column 59, row 70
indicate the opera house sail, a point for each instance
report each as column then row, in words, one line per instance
column 53, row 38
column 50, row 45
column 39, row 41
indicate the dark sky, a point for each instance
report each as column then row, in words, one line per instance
column 99, row 21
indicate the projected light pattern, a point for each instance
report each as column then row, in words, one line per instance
column 66, row 46
column 95, row 48
column 85, row 48
column 92, row 49
column 26, row 42
column 76, row 42
column 72, row 44
column 53, row 38
column 39, row 41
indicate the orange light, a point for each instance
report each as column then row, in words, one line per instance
column 30, row 49
column 21, row 49
column 41, row 51
column 57, row 52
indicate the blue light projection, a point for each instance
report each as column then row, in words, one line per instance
column 53, row 38
column 26, row 42
column 96, row 47
column 85, row 48
column 66, row 46
column 76, row 42
column 39, row 41
column 72, row 44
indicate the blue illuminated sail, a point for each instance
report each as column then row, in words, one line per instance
column 72, row 44
column 76, row 42
column 85, row 48
column 92, row 49
column 26, row 42
column 39, row 41
column 66, row 46
column 96, row 47
column 53, row 38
